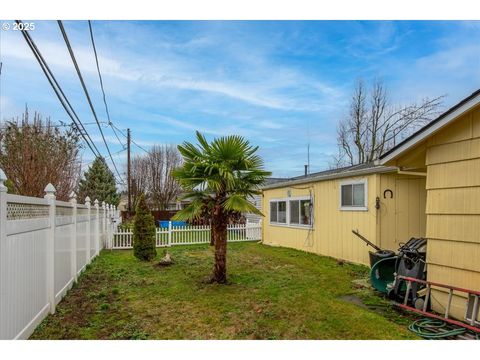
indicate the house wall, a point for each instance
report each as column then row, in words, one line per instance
column 453, row 208
column 257, row 201
column 331, row 234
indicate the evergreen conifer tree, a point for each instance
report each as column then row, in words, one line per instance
column 99, row 183
column 143, row 232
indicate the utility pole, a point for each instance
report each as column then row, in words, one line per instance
column 129, row 182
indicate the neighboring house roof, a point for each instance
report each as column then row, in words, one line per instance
column 355, row 170
column 432, row 127
column 271, row 180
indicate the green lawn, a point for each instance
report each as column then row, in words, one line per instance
column 274, row 293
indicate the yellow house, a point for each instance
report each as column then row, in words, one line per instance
column 447, row 152
column 318, row 212
column 427, row 186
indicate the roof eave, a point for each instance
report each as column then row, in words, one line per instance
column 428, row 131
column 367, row 171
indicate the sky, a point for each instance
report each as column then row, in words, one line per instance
column 281, row 84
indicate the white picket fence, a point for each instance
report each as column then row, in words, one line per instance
column 44, row 245
column 188, row 235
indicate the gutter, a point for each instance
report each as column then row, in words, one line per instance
column 340, row 175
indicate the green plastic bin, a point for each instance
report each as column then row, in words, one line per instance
column 382, row 273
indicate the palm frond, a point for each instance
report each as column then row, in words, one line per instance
column 191, row 212
column 240, row 204
column 227, row 169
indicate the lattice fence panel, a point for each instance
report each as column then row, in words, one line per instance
column 16, row 211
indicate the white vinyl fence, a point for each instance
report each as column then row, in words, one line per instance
column 44, row 245
column 188, row 235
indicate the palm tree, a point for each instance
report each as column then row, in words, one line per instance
column 219, row 177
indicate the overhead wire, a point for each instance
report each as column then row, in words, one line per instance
column 101, row 83
column 133, row 142
column 77, row 68
column 115, row 153
column 59, row 92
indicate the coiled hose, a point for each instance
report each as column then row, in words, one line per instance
column 434, row 329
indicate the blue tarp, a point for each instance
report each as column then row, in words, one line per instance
column 164, row 223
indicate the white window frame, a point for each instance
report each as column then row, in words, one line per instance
column 288, row 224
column 270, row 209
column 353, row 208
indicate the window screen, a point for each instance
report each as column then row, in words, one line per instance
column 353, row 195
column 294, row 212
column 359, row 195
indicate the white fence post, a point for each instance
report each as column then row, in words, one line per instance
column 50, row 196
column 109, row 226
column 107, row 237
column 169, row 236
column 104, row 222
column 89, row 233
column 97, row 228
column 3, row 254
column 73, row 236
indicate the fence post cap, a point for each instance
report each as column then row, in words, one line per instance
column 50, row 189
column 95, row 202
column 73, row 195
column 103, row 204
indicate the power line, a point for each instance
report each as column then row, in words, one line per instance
column 133, row 142
column 115, row 153
column 72, row 56
column 101, row 82
column 62, row 124
column 58, row 91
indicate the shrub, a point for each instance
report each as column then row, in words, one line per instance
column 143, row 232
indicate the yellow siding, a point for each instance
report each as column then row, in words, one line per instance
column 457, row 254
column 454, row 174
column 453, row 227
column 332, row 231
column 402, row 216
column 453, row 208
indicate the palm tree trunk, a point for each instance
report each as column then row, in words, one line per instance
column 219, row 230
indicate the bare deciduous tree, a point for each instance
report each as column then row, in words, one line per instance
column 151, row 175
column 374, row 125
column 34, row 153
column 140, row 177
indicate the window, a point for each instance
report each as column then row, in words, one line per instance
column 306, row 208
column 301, row 212
column 353, row 195
column 293, row 212
column 278, row 212
column 273, row 211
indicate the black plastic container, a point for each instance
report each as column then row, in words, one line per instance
column 379, row 255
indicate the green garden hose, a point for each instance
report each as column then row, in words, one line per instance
column 434, row 329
